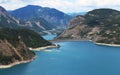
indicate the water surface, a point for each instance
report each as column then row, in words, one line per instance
column 49, row 37
column 73, row 58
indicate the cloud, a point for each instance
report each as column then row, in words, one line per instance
column 63, row 5
column 12, row 4
column 107, row 3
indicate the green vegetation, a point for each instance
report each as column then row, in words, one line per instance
column 105, row 17
column 15, row 40
column 14, row 43
column 99, row 25
column 29, row 37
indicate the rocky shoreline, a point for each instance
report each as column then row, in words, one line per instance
column 16, row 63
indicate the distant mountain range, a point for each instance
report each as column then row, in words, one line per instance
column 99, row 25
column 36, row 24
column 54, row 17
column 75, row 14
column 36, row 18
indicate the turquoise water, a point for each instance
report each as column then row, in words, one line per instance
column 49, row 37
column 73, row 58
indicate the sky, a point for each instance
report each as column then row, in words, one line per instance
column 67, row 6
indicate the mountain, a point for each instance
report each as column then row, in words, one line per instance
column 36, row 24
column 29, row 37
column 6, row 20
column 56, row 18
column 9, row 22
column 99, row 25
column 14, row 45
column 15, row 41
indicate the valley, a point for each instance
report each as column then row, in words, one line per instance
column 40, row 40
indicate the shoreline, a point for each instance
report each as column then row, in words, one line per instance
column 16, row 63
column 69, row 40
column 45, row 47
column 72, row 40
column 104, row 44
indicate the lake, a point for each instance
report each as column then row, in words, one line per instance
column 49, row 37
column 72, row 58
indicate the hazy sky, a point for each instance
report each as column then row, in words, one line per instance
column 63, row 5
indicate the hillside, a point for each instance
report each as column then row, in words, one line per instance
column 99, row 25
column 10, row 26
column 29, row 37
column 36, row 24
column 56, row 18
column 14, row 45
column 6, row 20
column 15, row 41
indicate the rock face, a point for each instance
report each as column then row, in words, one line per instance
column 99, row 25
column 56, row 18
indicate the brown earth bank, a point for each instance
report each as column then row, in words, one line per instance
column 10, row 55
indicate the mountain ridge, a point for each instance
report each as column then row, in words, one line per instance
column 99, row 25
column 37, row 24
column 15, row 41
column 55, row 17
